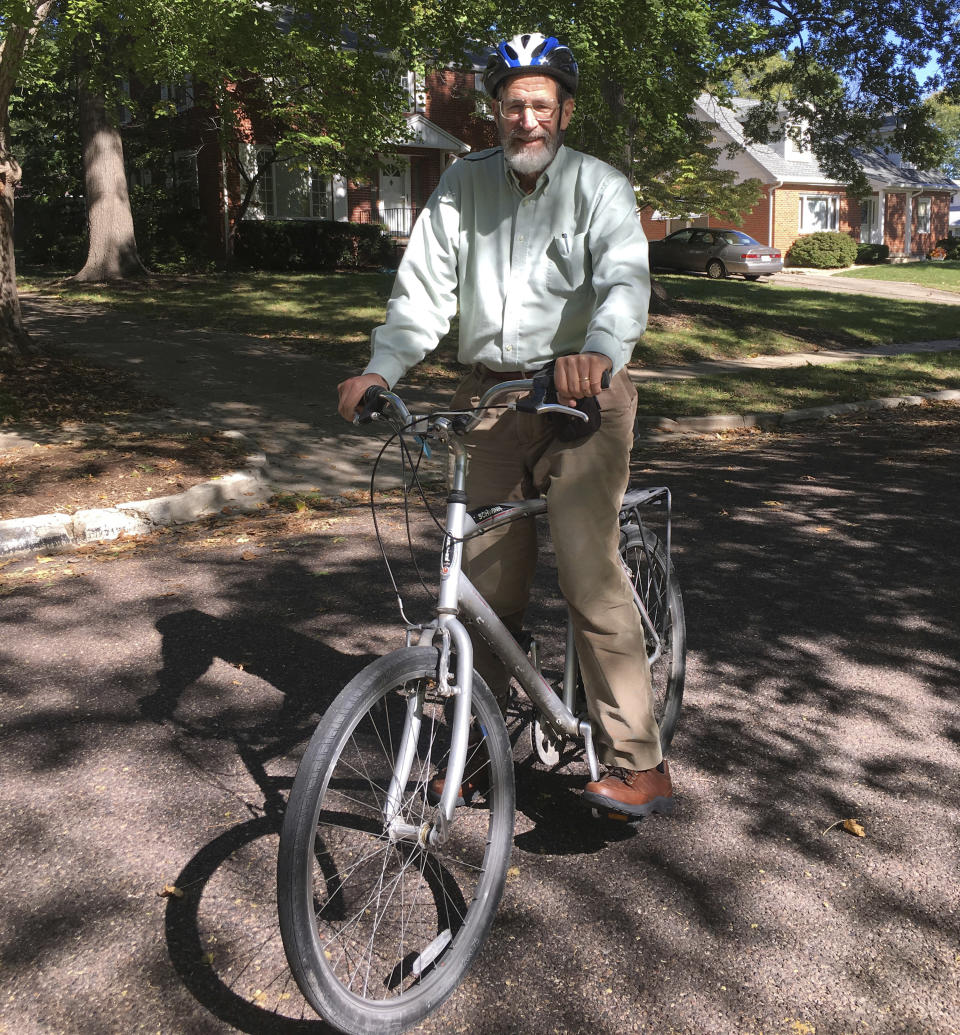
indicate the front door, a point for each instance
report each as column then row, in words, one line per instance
column 869, row 221
column 395, row 208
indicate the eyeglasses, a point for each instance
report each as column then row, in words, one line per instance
column 543, row 111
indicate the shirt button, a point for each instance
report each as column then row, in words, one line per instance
column 508, row 348
column 519, row 237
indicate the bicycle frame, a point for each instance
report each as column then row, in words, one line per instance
column 458, row 597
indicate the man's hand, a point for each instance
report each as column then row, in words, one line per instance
column 352, row 390
column 576, row 377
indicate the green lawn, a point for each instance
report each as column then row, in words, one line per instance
column 735, row 319
column 771, row 391
column 334, row 313
column 945, row 276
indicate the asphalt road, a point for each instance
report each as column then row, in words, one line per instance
column 155, row 693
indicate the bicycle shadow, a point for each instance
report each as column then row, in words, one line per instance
column 222, row 933
column 289, row 661
column 563, row 824
column 223, row 938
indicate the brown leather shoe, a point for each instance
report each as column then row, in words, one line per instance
column 637, row 793
column 476, row 778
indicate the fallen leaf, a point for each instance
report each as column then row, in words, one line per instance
column 170, row 891
column 851, row 826
column 772, row 503
column 44, row 560
column 248, row 555
column 823, row 528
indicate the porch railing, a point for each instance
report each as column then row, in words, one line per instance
column 398, row 222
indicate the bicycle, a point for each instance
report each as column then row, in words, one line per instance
column 387, row 888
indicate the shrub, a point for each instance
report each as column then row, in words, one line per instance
column 323, row 245
column 53, row 231
column 950, row 246
column 824, row 250
column 871, row 254
column 50, row 231
column 170, row 236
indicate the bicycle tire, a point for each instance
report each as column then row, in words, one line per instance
column 355, row 927
column 645, row 558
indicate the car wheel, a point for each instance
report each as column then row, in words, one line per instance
column 716, row 269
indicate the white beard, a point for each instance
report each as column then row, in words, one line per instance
column 528, row 163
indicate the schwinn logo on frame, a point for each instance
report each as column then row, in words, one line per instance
column 485, row 513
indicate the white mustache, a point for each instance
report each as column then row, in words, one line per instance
column 537, row 134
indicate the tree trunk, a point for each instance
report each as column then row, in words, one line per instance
column 13, row 335
column 14, row 339
column 112, row 251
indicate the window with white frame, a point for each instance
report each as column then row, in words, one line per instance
column 923, row 215
column 181, row 94
column 819, row 212
column 795, row 148
column 186, row 180
column 408, row 82
column 126, row 115
column 289, row 190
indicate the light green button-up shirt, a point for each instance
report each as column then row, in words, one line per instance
column 559, row 271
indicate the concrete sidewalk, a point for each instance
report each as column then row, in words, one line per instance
column 284, row 402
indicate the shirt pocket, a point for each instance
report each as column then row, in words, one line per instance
column 568, row 264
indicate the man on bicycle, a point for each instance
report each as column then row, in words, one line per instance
column 544, row 250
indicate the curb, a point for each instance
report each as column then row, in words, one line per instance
column 662, row 429
column 243, row 490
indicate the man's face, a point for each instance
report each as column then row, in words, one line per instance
column 530, row 143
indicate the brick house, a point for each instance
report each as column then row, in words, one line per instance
column 446, row 118
column 907, row 208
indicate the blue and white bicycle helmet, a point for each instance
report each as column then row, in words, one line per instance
column 531, row 52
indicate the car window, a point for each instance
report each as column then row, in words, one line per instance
column 705, row 238
column 735, row 237
column 680, row 237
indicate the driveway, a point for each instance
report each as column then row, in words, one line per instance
column 824, row 281
column 156, row 694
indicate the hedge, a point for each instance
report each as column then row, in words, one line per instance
column 274, row 244
column 824, row 250
column 53, row 232
column 871, row 254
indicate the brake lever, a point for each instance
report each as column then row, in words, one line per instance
column 536, row 402
column 559, row 408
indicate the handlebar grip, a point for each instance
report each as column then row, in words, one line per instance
column 370, row 402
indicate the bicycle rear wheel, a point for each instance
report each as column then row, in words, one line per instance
column 377, row 931
column 646, row 563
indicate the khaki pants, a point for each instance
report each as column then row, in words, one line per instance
column 516, row 456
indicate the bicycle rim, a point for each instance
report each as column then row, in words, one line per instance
column 379, row 932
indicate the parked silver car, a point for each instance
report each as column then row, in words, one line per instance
column 716, row 252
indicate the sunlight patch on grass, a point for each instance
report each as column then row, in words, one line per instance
column 773, row 391
column 945, row 276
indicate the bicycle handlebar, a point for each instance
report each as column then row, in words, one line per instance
column 376, row 399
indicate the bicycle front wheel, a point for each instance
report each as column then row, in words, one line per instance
column 379, row 931
column 646, row 564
